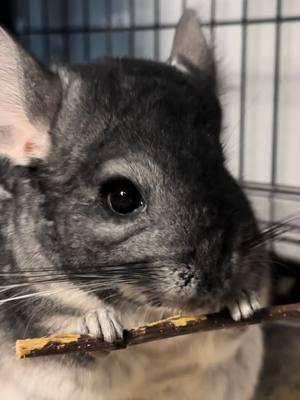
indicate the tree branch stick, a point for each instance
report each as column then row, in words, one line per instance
column 167, row 328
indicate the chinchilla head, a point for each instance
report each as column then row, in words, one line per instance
column 124, row 158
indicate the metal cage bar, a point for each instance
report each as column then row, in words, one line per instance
column 155, row 26
column 243, row 93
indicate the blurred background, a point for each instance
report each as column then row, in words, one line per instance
column 256, row 44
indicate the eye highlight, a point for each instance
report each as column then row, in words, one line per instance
column 121, row 196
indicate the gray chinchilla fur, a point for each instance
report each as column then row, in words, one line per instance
column 116, row 210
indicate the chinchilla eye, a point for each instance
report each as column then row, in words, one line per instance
column 121, row 196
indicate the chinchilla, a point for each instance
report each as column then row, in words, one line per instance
column 116, row 210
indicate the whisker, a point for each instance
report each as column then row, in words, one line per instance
column 41, row 293
column 260, row 259
column 270, row 233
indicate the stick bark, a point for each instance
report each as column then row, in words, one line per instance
column 164, row 329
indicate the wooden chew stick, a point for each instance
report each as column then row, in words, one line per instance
column 167, row 328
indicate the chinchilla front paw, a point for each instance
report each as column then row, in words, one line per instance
column 244, row 306
column 101, row 323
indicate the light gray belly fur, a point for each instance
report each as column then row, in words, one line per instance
column 222, row 365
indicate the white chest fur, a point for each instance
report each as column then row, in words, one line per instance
column 214, row 366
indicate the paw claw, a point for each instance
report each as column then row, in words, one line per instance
column 244, row 307
column 235, row 312
column 255, row 304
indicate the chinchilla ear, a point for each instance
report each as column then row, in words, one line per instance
column 190, row 50
column 29, row 97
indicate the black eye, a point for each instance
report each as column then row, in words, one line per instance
column 121, row 196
